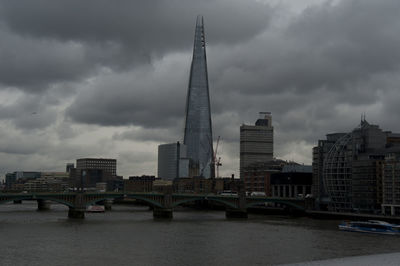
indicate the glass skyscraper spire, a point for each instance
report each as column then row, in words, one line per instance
column 198, row 131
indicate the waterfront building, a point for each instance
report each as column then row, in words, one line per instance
column 48, row 181
column 256, row 142
column 200, row 184
column 15, row 181
column 172, row 161
column 142, row 183
column 391, row 184
column 11, row 178
column 108, row 165
column 347, row 174
column 198, row 130
column 257, row 176
column 90, row 171
column 69, row 166
column 291, row 184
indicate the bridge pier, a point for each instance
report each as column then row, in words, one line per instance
column 17, row 201
column 76, row 213
column 43, row 205
column 236, row 213
column 107, row 204
column 161, row 213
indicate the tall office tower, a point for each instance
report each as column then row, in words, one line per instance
column 172, row 161
column 256, row 142
column 198, row 131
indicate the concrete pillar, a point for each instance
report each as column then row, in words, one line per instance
column 304, row 191
column 43, row 205
column 236, row 213
column 107, row 204
column 295, row 191
column 392, row 211
column 76, row 213
column 161, row 213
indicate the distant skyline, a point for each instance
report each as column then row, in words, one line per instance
column 94, row 79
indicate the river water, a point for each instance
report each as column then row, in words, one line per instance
column 128, row 235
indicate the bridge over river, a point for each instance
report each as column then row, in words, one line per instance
column 162, row 203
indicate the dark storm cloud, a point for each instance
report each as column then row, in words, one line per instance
column 126, row 64
column 46, row 41
column 34, row 64
column 332, row 46
column 144, row 96
column 149, row 25
column 329, row 54
column 29, row 112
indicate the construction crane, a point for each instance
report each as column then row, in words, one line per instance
column 217, row 162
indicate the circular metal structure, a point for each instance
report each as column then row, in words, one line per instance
column 337, row 170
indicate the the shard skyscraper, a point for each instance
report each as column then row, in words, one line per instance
column 198, row 131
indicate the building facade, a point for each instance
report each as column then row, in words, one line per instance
column 142, row 183
column 90, row 171
column 198, row 130
column 391, row 184
column 256, row 142
column 172, row 161
column 257, row 176
column 348, row 169
column 291, row 184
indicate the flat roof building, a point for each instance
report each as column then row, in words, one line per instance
column 256, row 142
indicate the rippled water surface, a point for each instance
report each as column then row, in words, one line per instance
column 128, row 235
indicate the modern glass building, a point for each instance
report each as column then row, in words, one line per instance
column 348, row 169
column 198, row 132
column 172, row 161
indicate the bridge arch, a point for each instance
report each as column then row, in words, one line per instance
column 283, row 202
column 9, row 199
column 187, row 200
column 147, row 200
column 61, row 201
column 94, row 201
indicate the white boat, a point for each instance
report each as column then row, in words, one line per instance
column 95, row 208
column 371, row 226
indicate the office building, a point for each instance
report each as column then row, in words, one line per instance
column 348, row 167
column 391, row 184
column 90, row 171
column 256, row 142
column 172, row 161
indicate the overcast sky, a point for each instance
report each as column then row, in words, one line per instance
column 99, row 78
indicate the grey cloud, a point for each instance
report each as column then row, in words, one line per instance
column 136, row 30
column 316, row 72
column 162, row 135
column 28, row 112
column 298, row 72
column 149, row 97
column 331, row 46
column 35, row 64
